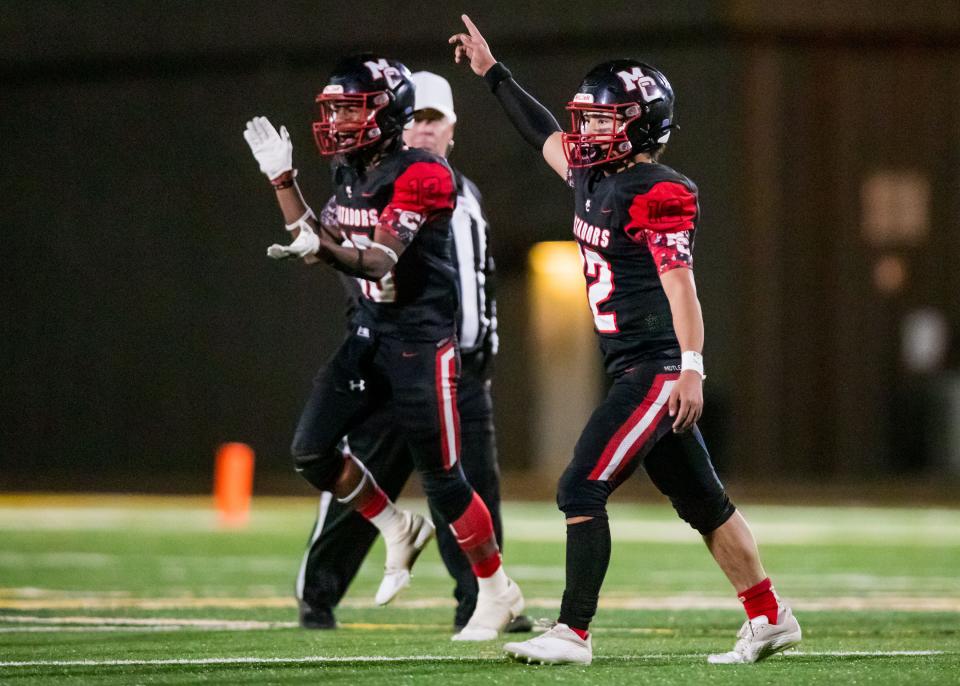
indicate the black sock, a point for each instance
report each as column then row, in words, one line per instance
column 588, row 556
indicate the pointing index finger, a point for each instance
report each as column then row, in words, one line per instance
column 471, row 27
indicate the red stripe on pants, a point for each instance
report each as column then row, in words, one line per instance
column 445, row 382
column 619, row 443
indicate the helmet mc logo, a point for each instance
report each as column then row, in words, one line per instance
column 382, row 69
column 634, row 79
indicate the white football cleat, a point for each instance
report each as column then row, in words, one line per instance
column 558, row 646
column 492, row 614
column 758, row 639
column 402, row 552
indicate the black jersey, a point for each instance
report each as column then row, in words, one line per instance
column 412, row 194
column 471, row 258
column 631, row 227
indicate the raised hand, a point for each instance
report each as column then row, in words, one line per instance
column 472, row 46
column 272, row 150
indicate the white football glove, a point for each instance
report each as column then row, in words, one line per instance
column 272, row 150
column 306, row 243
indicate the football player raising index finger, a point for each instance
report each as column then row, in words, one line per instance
column 635, row 223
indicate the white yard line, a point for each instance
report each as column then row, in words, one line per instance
column 357, row 659
column 149, row 622
column 85, row 629
column 932, row 527
column 617, row 601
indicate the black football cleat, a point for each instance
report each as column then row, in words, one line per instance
column 316, row 618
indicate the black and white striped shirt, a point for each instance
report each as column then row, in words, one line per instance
column 477, row 322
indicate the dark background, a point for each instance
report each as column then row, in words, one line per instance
column 143, row 325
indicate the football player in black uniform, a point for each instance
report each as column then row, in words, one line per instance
column 341, row 537
column 392, row 233
column 635, row 225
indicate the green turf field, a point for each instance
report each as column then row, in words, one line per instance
column 150, row 591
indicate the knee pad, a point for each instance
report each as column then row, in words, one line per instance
column 704, row 512
column 581, row 497
column 321, row 471
column 448, row 491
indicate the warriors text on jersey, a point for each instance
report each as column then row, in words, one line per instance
column 410, row 194
column 631, row 227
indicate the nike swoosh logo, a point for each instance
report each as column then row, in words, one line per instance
column 367, row 195
column 405, row 354
column 606, row 210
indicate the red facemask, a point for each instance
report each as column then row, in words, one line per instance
column 590, row 149
column 336, row 133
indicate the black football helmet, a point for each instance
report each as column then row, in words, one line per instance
column 637, row 96
column 367, row 100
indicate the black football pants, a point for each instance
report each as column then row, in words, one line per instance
column 631, row 427
column 341, row 538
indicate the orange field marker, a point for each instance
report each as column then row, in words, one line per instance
column 233, row 483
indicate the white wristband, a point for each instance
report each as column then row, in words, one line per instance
column 692, row 360
column 302, row 220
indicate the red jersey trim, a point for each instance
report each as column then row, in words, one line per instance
column 421, row 191
column 667, row 207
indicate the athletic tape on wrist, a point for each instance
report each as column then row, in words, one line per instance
column 692, row 360
column 302, row 221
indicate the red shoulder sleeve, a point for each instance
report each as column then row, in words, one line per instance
column 662, row 218
column 422, row 190
column 667, row 207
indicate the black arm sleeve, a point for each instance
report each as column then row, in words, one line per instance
column 529, row 117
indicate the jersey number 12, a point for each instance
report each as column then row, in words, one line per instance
column 599, row 289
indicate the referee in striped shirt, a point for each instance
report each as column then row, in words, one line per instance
column 341, row 538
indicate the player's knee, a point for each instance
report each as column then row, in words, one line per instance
column 704, row 512
column 447, row 491
column 580, row 497
column 319, row 468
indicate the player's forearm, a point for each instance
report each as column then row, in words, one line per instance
column 292, row 204
column 372, row 265
column 531, row 119
column 688, row 323
column 681, row 292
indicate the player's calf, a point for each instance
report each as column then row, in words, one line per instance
column 499, row 599
column 404, row 533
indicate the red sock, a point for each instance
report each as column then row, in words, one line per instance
column 375, row 503
column 761, row 600
column 474, row 533
column 582, row 633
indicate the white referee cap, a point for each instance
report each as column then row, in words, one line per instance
column 433, row 93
